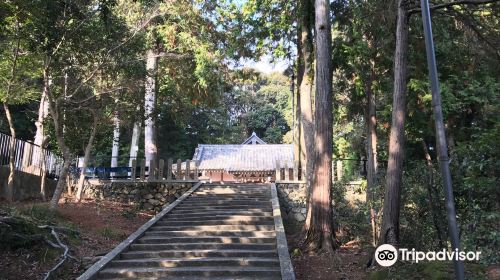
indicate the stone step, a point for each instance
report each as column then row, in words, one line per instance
column 221, row 207
column 197, row 262
column 230, row 253
column 168, row 222
column 211, row 278
column 224, row 201
column 207, row 239
column 192, row 272
column 201, row 246
column 243, row 218
column 232, row 194
column 215, row 232
column 215, row 227
column 251, row 211
column 221, row 214
column 228, row 195
column 234, row 190
column 228, row 204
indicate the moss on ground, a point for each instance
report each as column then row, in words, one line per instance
column 436, row 270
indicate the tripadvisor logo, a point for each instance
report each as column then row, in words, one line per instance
column 387, row 255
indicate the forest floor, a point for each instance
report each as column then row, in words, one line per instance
column 103, row 225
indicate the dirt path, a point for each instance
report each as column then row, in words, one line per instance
column 348, row 262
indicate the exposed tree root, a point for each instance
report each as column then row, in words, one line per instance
column 59, row 245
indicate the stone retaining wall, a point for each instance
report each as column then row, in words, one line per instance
column 146, row 195
column 292, row 199
column 26, row 185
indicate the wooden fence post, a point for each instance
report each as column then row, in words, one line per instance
column 296, row 171
column 152, row 170
column 188, row 169
column 133, row 170
column 179, row 170
column 340, row 171
column 287, row 171
column 143, row 169
column 161, row 167
column 195, row 174
column 278, row 171
column 169, row 169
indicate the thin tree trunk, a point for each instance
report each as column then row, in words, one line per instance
column 86, row 158
column 150, row 147
column 305, row 76
column 134, row 145
column 116, row 139
column 43, row 112
column 320, row 233
column 42, row 169
column 389, row 233
column 40, row 138
column 371, row 146
column 296, row 121
column 12, row 156
column 8, row 115
column 433, row 197
column 54, row 112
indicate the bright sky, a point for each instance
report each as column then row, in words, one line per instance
column 264, row 65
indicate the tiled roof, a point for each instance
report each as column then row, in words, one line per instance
column 243, row 157
column 254, row 139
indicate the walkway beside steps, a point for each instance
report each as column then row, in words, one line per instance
column 211, row 232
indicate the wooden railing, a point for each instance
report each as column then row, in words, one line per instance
column 288, row 174
column 29, row 157
column 161, row 171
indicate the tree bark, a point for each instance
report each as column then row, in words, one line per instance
column 12, row 156
column 320, row 233
column 371, row 151
column 86, row 157
column 43, row 112
column 116, row 139
column 433, row 197
column 40, row 138
column 42, row 168
column 134, row 145
column 54, row 112
column 8, row 115
column 150, row 147
column 389, row 233
column 305, row 76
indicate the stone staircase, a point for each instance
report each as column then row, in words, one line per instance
column 212, row 232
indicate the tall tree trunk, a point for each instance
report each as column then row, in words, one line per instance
column 40, row 138
column 433, row 197
column 305, row 76
column 8, row 115
column 134, row 145
column 296, row 121
column 320, row 233
column 54, row 112
column 43, row 172
column 116, row 139
column 371, row 151
column 43, row 112
column 150, row 147
column 86, row 157
column 389, row 233
column 12, row 156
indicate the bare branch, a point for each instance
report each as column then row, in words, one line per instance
column 455, row 3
